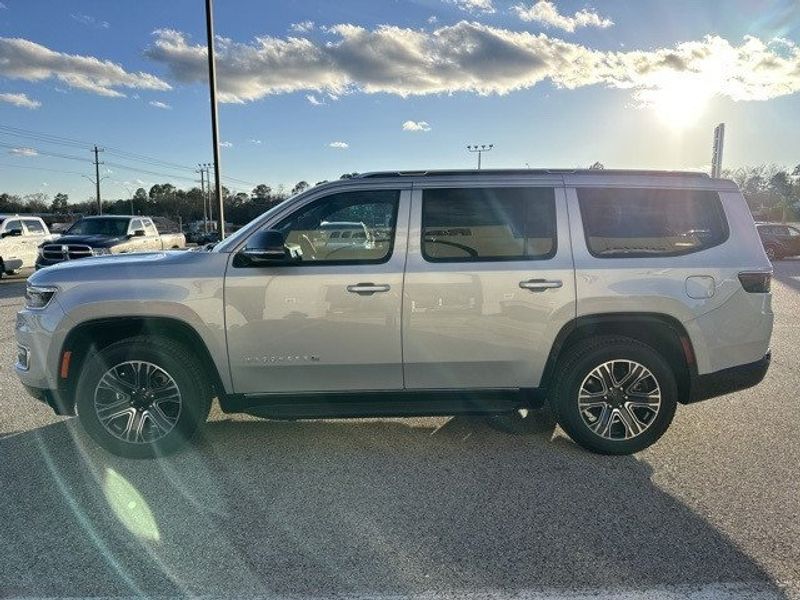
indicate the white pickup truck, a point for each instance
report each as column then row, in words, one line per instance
column 20, row 236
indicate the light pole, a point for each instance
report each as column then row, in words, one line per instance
column 475, row 148
column 212, row 88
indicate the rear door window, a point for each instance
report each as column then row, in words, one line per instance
column 34, row 227
column 629, row 223
column 488, row 224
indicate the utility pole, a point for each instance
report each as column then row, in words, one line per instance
column 480, row 150
column 202, row 171
column 97, row 179
column 212, row 87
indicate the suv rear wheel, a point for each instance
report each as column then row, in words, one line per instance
column 614, row 395
column 142, row 397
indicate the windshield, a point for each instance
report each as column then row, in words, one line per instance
column 110, row 227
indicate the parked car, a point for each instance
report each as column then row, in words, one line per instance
column 612, row 296
column 110, row 234
column 19, row 238
column 780, row 240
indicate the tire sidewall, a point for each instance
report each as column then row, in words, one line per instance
column 569, row 415
column 194, row 406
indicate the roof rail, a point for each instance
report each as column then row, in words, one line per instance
column 495, row 172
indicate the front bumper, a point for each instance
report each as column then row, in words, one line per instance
column 41, row 334
column 726, row 381
column 41, row 262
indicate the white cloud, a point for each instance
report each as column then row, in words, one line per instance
column 312, row 99
column 90, row 21
column 476, row 58
column 226, row 144
column 2, row 6
column 159, row 104
column 546, row 13
column 21, row 100
column 255, row 141
column 416, row 126
column 433, row 19
column 339, row 145
column 302, row 27
column 23, row 59
column 474, row 6
column 23, row 152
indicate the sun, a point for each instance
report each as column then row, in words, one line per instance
column 678, row 102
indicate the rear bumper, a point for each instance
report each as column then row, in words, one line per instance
column 12, row 264
column 726, row 381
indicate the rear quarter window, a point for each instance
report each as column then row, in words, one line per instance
column 630, row 223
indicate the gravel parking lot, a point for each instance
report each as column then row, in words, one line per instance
column 420, row 507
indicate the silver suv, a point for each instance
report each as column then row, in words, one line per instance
column 608, row 296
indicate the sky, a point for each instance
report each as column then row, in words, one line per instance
column 313, row 89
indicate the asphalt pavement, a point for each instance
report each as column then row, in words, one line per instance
column 392, row 508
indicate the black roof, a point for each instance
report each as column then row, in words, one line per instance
column 495, row 172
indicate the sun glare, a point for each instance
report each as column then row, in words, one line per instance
column 678, row 103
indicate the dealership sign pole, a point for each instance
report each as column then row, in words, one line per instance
column 716, row 157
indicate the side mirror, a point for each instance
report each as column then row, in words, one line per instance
column 266, row 247
column 12, row 233
column 138, row 233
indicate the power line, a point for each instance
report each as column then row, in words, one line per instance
column 145, row 171
column 39, row 169
column 46, row 153
column 48, row 138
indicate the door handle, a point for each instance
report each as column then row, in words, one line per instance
column 540, row 285
column 367, row 289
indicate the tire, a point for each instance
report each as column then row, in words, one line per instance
column 621, row 420
column 139, row 430
column 524, row 421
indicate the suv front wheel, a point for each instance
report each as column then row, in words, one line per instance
column 614, row 395
column 142, row 397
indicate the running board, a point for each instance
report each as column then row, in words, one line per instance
column 376, row 404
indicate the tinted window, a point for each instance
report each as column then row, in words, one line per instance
column 478, row 224
column 34, row 227
column 647, row 222
column 374, row 211
column 149, row 228
column 99, row 226
column 13, row 224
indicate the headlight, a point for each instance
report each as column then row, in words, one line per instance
column 100, row 251
column 38, row 296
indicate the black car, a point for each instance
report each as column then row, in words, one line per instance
column 779, row 240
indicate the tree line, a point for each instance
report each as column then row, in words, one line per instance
column 162, row 200
column 772, row 192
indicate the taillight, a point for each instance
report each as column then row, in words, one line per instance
column 756, row 282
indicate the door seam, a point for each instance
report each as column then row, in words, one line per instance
column 403, row 288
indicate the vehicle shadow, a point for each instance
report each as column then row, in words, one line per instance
column 375, row 506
